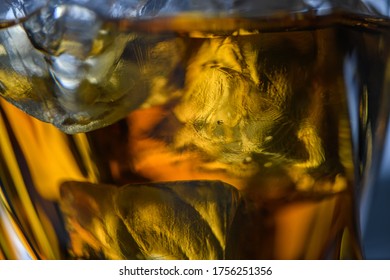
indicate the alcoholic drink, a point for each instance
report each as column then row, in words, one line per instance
column 237, row 143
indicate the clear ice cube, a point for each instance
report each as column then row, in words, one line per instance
column 67, row 66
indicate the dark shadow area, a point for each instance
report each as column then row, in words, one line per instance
column 377, row 235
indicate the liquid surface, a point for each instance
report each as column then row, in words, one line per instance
column 238, row 144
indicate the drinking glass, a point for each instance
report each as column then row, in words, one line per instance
column 183, row 129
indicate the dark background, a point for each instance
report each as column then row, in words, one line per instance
column 376, row 236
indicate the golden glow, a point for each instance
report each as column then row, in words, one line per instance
column 266, row 125
column 56, row 164
column 39, row 234
column 43, row 141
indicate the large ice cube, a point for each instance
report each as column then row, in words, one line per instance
column 176, row 220
column 67, row 66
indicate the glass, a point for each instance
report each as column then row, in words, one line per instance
column 190, row 129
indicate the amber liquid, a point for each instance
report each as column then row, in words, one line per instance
column 242, row 150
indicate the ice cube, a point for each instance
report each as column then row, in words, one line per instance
column 170, row 220
column 63, row 66
column 16, row 10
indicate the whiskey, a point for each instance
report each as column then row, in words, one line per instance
column 237, row 143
